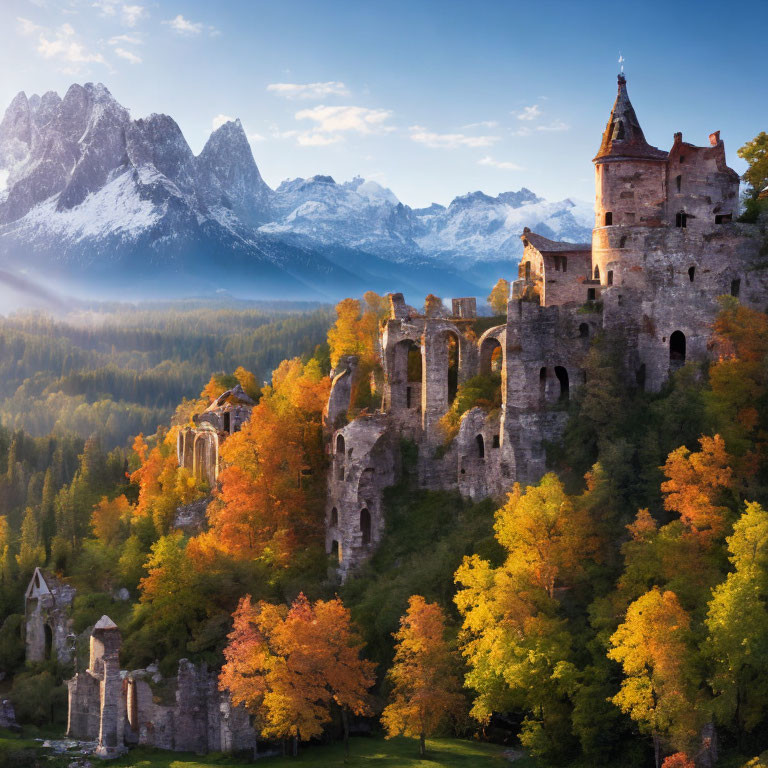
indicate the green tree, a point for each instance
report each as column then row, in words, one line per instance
column 755, row 152
column 737, row 624
column 31, row 550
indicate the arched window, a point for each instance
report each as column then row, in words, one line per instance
column 691, row 273
column 340, row 456
column 365, row 525
column 608, row 218
column 335, row 551
column 677, row 347
column 227, row 421
column 735, row 287
column 562, row 377
column 584, row 330
column 480, row 447
column 609, row 277
column 334, row 517
column 490, row 356
column 597, row 272
column 527, row 270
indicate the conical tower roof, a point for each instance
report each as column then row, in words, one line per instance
column 623, row 136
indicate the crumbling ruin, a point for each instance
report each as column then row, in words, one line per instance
column 664, row 247
column 47, row 624
column 119, row 709
column 197, row 448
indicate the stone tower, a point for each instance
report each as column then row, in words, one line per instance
column 630, row 181
column 105, row 666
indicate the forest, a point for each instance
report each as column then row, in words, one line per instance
column 615, row 613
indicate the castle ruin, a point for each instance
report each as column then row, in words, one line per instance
column 665, row 246
column 47, row 620
column 119, row 709
column 197, row 448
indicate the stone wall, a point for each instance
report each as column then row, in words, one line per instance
column 120, row 709
column 664, row 249
column 47, row 618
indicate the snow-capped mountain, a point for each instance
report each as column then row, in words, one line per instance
column 90, row 196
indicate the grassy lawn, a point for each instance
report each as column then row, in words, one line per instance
column 364, row 752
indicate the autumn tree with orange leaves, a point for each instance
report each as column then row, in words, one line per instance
column 110, row 518
column 696, row 482
column 270, row 502
column 426, row 685
column 287, row 666
column 163, row 484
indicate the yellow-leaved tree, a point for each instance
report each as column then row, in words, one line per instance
column 659, row 689
column 499, row 297
column 426, row 685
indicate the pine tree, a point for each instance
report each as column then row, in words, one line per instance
column 31, row 551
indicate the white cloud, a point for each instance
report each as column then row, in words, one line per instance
column 331, row 123
column 219, row 120
column 449, row 140
column 125, row 40
column 502, row 164
column 27, row 27
column 131, row 14
column 128, row 55
column 530, row 113
column 555, row 125
column 255, row 137
column 106, row 7
column 482, row 124
column 60, row 44
column 309, row 90
column 182, row 26
column 311, row 139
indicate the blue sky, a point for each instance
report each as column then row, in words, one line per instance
column 433, row 99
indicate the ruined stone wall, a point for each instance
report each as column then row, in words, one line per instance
column 121, row 709
column 364, row 462
column 48, row 624
column 700, row 184
column 545, row 352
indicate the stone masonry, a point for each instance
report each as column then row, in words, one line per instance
column 664, row 248
column 197, row 448
column 119, row 709
column 48, row 625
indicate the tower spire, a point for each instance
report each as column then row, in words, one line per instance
column 623, row 136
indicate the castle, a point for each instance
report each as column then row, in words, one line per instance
column 665, row 246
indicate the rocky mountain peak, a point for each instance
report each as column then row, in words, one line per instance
column 229, row 177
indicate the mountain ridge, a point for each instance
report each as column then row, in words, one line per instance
column 90, row 196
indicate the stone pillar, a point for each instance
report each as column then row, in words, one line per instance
column 105, row 651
